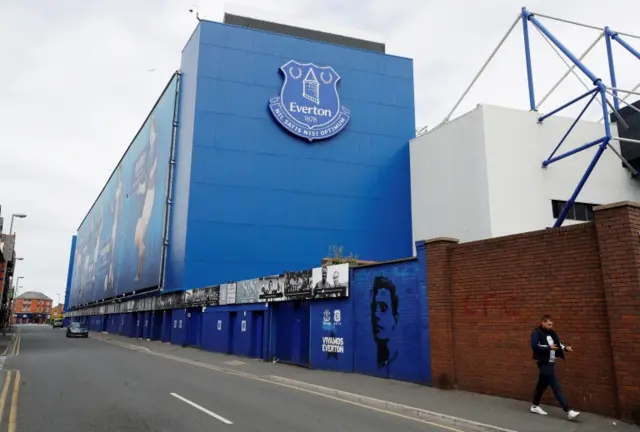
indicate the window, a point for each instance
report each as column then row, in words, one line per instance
column 578, row 212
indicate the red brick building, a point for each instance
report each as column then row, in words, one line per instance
column 57, row 311
column 32, row 307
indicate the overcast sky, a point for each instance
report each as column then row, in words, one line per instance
column 79, row 77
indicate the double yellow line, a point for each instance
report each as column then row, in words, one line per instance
column 13, row 410
column 15, row 348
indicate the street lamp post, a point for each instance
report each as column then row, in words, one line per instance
column 15, row 290
column 13, row 216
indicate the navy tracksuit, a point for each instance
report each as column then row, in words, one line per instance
column 545, row 357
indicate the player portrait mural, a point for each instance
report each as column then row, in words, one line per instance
column 122, row 236
column 384, row 319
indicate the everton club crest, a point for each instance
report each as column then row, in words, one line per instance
column 309, row 104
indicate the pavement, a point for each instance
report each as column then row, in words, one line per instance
column 449, row 408
column 113, row 384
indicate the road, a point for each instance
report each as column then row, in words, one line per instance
column 87, row 385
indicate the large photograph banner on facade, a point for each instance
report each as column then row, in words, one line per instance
column 330, row 281
column 120, row 241
column 223, row 295
column 272, row 288
column 231, row 293
column 248, row 291
column 212, row 296
column 297, row 285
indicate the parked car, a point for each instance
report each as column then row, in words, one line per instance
column 57, row 323
column 77, row 329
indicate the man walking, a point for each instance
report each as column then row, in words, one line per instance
column 547, row 347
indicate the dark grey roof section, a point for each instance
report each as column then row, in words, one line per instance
column 304, row 33
column 33, row 295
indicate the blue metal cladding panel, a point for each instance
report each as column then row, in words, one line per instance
column 253, row 183
column 167, row 325
column 146, row 330
column 175, row 270
column 179, row 333
column 282, row 321
column 388, row 303
column 194, row 326
column 243, row 330
column 139, row 317
column 67, row 292
column 156, row 325
column 215, row 330
column 124, row 322
column 130, row 325
column 290, row 337
column 114, row 321
column 120, row 242
column 257, row 334
column 332, row 345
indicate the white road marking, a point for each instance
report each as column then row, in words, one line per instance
column 204, row 410
column 266, row 380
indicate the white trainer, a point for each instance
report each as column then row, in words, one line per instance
column 538, row 410
column 572, row 414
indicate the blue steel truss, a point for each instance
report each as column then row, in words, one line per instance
column 599, row 90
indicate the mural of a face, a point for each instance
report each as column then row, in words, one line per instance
column 384, row 318
column 336, row 278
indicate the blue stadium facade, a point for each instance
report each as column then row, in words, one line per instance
column 265, row 150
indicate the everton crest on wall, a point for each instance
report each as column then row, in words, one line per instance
column 309, row 103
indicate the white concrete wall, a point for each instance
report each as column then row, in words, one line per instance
column 521, row 191
column 480, row 176
column 449, row 189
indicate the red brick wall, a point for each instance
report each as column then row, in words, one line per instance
column 619, row 241
column 485, row 297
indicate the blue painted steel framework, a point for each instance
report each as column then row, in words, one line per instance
column 599, row 89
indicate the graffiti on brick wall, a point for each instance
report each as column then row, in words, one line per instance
column 384, row 319
column 490, row 304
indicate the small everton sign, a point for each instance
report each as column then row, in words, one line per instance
column 309, row 104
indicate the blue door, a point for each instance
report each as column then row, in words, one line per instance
column 292, row 332
column 156, row 325
column 166, row 326
column 256, row 334
column 146, row 329
column 301, row 333
column 139, row 323
column 194, row 323
column 233, row 318
column 131, row 327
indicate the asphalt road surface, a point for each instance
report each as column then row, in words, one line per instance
column 86, row 385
